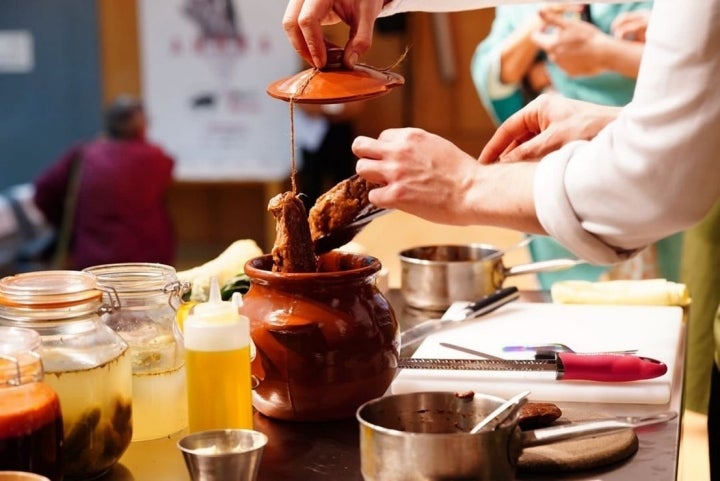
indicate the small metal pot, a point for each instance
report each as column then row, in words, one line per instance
column 425, row 436
column 435, row 276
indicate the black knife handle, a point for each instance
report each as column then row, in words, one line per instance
column 492, row 301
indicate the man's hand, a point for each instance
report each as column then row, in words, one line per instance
column 544, row 125
column 303, row 21
column 420, row 173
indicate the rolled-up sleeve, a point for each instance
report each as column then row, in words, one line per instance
column 656, row 169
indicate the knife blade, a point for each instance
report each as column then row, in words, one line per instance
column 566, row 366
column 475, row 309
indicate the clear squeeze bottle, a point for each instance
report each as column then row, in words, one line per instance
column 217, row 364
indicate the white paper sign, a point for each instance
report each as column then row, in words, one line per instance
column 16, row 51
column 206, row 66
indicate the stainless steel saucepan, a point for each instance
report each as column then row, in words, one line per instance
column 435, row 276
column 426, row 436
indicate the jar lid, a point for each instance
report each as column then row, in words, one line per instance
column 19, row 359
column 48, row 288
column 335, row 83
column 135, row 277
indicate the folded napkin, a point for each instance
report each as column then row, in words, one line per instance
column 653, row 292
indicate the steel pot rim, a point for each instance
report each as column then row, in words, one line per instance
column 494, row 253
column 415, row 435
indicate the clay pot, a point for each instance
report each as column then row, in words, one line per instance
column 326, row 342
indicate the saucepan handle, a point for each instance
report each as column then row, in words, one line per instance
column 585, row 428
column 551, row 265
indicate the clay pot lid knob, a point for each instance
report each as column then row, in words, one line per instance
column 334, row 58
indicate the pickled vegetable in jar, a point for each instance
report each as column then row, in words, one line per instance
column 149, row 295
column 30, row 416
column 85, row 362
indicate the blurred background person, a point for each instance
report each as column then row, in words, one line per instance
column 107, row 197
column 587, row 52
column 324, row 134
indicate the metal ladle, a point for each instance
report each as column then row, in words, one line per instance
column 501, row 413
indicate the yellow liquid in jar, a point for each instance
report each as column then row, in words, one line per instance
column 218, row 389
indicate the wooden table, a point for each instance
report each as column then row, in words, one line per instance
column 329, row 451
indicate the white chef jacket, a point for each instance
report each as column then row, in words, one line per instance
column 656, row 169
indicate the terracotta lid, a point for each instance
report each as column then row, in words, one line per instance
column 335, row 83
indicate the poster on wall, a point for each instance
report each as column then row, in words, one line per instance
column 205, row 67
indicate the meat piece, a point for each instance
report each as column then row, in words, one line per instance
column 538, row 415
column 465, row 395
column 293, row 249
column 340, row 205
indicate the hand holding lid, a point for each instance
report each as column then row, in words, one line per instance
column 335, row 83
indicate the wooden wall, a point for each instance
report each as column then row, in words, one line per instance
column 205, row 213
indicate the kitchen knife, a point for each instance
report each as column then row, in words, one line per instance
column 566, row 366
column 483, row 306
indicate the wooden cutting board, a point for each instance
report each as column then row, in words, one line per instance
column 581, row 453
column 655, row 331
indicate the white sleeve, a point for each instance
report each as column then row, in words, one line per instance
column 400, row 6
column 656, row 169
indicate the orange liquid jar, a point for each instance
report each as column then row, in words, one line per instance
column 326, row 341
column 31, row 429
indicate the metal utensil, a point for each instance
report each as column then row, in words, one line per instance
column 342, row 235
column 435, row 276
column 566, row 366
column 501, row 413
column 420, row 436
column 223, row 454
column 561, row 432
column 543, row 349
column 466, row 350
column 473, row 310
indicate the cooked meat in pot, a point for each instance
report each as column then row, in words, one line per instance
column 293, row 249
column 340, row 205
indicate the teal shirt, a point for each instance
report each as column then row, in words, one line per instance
column 608, row 88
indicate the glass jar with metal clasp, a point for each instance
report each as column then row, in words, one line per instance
column 149, row 295
column 86, row 363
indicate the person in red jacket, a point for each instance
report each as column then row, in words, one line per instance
column 118, row 211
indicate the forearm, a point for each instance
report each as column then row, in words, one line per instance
column 502, row 195
column 621, row 56
column 517, row 55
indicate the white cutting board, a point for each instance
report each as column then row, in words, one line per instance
column 655, row 331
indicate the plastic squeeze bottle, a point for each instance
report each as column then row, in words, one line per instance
column 217, row 364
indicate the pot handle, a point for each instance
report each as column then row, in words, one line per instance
column 552, row 434
column 551, row 265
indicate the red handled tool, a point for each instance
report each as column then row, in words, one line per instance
column 566, row 366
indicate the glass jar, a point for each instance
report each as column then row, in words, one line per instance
column 85, row 362
column 326, row 341
column 30, row 417
column 149, row 295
